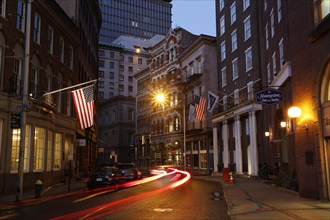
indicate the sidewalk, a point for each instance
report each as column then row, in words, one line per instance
column 58, row 190
column 252, row 199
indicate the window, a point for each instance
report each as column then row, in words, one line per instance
column 247, row 28
column 71, row 58
column 281, row 52
column 15, row 149
column 222, row 25
column 139, row 61
column 250, row 90
column 101, row 53
column 20, row 23
column 233, row 13
column 224, row 102
column 39, row 149
column 266, row 36
column 233, row 40
column 49, row 150
column 112, row 65
column 3, row 8
column 222, row 4
column 62, row 49
column 130, row 69
column 36, row 28
column 130, row 88
column 130, row 79
column 50, row 40
column 112, row 54
column 272, row 30
column 101, row 74
column 176, row 123
column 223, row 50
column 131, row 114
column 101, row 84
column 121, row 87
column 121, row 77
column 223, row 76
column 235, row 68
column 101, row 95
column 111, row 85
column 111, row 75
column 246, row 4
column 248, row 59
column 274, row 64
column 57, row 151
column 130, row 59
column 122, row 58
column 121, row 68
column 34, row 82
column 279, row 11
column 236, row 97
column 101, row 63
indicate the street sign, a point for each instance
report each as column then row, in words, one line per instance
column 269, row 96
column 15, row 120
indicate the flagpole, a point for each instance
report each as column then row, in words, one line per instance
column 70, row 87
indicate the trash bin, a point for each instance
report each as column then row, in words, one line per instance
column 225, row 174
column 38, row 185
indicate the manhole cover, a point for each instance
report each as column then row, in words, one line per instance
column 162, row 210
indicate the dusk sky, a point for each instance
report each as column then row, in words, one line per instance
column 196, row 16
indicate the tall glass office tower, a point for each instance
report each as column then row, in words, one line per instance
column 138, row 18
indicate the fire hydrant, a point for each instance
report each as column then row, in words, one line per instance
column 38, row 185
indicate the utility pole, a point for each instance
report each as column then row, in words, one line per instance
column 26, row 70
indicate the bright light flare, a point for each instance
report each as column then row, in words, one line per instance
column 107, row 209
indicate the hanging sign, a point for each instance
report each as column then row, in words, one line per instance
column 269, row 96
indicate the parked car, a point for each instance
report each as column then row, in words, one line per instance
column 106, row 176
column 130, row 171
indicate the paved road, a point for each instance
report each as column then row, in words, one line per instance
column 196, row 199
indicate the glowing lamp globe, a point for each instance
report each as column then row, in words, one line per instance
column 294, row 112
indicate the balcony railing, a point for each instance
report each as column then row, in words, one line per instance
column 34, row 91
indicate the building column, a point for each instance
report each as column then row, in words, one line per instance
column 215, row 149
column 238, row 146
column 253, row 144
column 225, row 144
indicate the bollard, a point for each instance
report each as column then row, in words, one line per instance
column 38, row 185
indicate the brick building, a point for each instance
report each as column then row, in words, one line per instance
column 55, row 59
column 292, row 40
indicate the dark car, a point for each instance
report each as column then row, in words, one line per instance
column 106, row 176
column 130, row 171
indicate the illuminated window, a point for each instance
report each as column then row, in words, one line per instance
column 15, row 146
column 39, row 149
column 57, row 151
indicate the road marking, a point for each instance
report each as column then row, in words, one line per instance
column 162, row 210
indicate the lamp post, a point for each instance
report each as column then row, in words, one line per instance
column 19, row 191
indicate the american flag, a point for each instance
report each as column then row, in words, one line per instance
column 200, row 108
column 84, row 103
